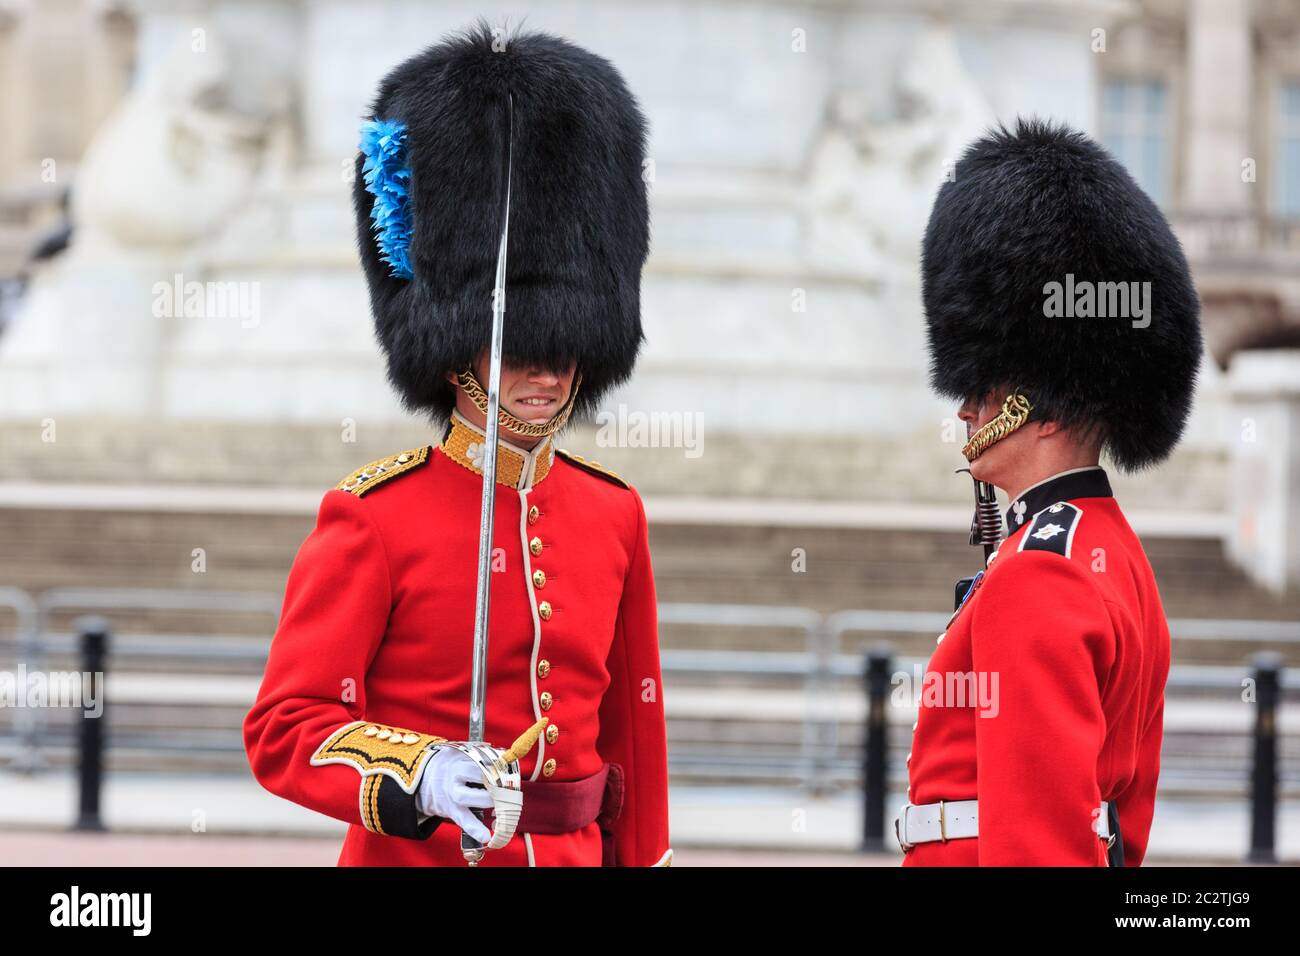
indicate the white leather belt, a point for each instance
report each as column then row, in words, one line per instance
column 956, row 819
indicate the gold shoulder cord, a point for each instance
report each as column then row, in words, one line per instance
column 478, row 395
column 1015, row 412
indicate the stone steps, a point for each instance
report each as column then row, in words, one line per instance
column 696, row 560
column 882, row 569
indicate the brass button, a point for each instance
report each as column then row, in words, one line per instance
column 384, row 734
column 544, row 610
column 533, row 514
column 552, row 734
column 547, row 700
column 410, row 738
column 543, row 668
column 535, row 546
column 372, row 730
column 539, row 579
column 548, row 768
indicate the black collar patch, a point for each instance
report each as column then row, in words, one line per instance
column 1083, row 483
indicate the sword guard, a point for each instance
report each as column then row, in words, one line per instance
column 504, row 783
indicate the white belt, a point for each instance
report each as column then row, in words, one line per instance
column 955, row 819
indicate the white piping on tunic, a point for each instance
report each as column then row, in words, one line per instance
column 537, row 627
column 537, row 646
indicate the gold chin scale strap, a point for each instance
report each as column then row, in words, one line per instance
column 478, row 395
column 1015, row 412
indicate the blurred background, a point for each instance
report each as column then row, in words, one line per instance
column 187, row 363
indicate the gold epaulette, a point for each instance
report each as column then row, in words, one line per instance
column 593, row 467
column 381, row 469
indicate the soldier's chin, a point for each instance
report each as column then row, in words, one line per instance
column 984, row 467
column 531, row 414
column 532, row 417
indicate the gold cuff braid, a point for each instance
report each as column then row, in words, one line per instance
column 1015, row 412
column 478, row 395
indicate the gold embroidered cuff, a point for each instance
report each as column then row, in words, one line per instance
column 389, row 760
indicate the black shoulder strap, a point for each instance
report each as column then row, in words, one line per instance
column 1052, row 529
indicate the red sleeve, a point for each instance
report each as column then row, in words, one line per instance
column 306, row 735
column 1042, row 637
column 1137, row 804
column 632, row 732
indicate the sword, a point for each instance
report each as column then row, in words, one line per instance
column 986, row 525
column 985, row 528
column 471, row 848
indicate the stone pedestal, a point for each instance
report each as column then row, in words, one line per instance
column 1264, row 480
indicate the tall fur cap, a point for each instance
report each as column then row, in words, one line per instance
column 1030, row 207
column 579, row 221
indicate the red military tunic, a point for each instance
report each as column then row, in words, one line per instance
column 375, row 641
column 1067, row 642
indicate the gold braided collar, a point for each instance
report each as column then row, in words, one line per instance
column 516, row 467
column 1015, row 412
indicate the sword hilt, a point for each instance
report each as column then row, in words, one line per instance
column 502, row 779
column 986, row 523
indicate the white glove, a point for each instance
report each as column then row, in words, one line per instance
column 450, row 785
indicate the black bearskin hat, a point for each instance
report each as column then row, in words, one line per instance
column 428, row 197
column 1046, row 205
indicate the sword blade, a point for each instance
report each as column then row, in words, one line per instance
column 478, row 688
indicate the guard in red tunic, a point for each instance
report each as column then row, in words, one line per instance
column 367, row 690
column 1062, row 314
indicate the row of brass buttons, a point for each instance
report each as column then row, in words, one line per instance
column 397, row 737
column 543, row 666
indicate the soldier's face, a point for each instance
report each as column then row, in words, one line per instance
column 532, row 393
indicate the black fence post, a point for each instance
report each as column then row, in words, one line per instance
column 879, row 663
column 94, row 632
column 1263, row 774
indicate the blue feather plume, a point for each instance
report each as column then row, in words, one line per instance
column 388, row 179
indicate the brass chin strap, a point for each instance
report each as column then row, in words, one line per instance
column 478, row 395
column 1015, row 412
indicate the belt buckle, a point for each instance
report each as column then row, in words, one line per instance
column 1105, row 815
column 899, row 830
